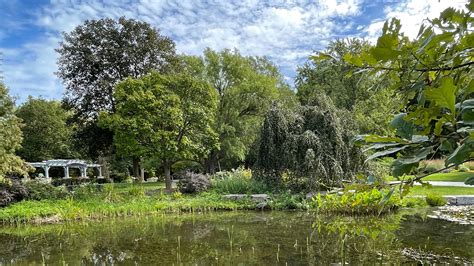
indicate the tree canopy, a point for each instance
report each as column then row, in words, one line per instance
column 98, row 54
column 10, row 137
column 45, row 132
column 168, row 117
column 246, row 87
column 369, row 98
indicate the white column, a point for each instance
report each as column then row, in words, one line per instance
column 83, row 172
column 66, row 172
column 100, row 172
column 46, row 171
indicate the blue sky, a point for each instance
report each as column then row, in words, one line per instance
column 285, row 31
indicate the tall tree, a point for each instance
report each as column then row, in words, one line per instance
column 434, row 78
column 246, row 87
column 332, row 76
column 45, row 133
column 310, row 145
column 98, row 54
column 168, row 117
column 10, row 137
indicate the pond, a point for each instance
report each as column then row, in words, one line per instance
column 244, row 238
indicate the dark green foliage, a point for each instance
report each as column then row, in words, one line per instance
column 38, row 191
column 435, row 200
column 98, row 54
column 307, row 148
column 45, row 133
column 190, row 182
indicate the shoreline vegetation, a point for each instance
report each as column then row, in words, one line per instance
column 91, row 201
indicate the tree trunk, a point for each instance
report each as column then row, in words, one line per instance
column 210, row 163
column 167, row 169
column 136, row 168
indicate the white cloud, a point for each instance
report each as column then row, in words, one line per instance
column 286, row 31
column 411, row 14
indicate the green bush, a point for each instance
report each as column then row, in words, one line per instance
column 364, row 202
column 137, row 191
column 288, row 201
column 414, row 202
column 238, row 181
column 85, row 191
column 435, row 200
column 38, row 190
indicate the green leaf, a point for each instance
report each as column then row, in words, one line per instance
column 384, row 54
column 444, row 95
column 320, row 57
column 381, row 146
column 385, row 153
column 403, row 128
column 469, row 181
column 462, row 153
column 405, row 164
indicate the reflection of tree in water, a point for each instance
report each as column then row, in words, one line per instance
column 229, row 238
column 341, row 239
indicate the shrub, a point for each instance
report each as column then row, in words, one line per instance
column 363, row 202
column 288, row 201
column 238, row 181
column 38, row 190
column 414, row 202
column 69, row 181
column 85, row 191
column 193, row 182
column 137, row 191
column 435, row 200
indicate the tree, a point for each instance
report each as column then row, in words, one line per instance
column 434, row 78
column 168, row 117
column 332, row 75
column 45, row 133
column 246, row 87
column 310, row 145
column 98, row 54
column 10, row 137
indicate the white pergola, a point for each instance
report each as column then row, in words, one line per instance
column 66, row 164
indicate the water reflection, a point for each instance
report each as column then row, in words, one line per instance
column 236, row 237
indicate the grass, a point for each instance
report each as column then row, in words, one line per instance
column 452, row 177
column 101, row 206
column 419, row 190
column 126, row 187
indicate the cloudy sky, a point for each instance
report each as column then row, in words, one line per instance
column 285, row 31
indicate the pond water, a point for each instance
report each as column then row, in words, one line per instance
column 240, row 238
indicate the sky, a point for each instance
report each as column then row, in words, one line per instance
column 287, row 32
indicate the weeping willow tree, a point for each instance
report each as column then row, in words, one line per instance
column 308, row 148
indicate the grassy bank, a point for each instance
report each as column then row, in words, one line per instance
column 42, row 211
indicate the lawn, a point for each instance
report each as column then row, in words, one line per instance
column 419, row 190
column 126, row 187
column 452, row 176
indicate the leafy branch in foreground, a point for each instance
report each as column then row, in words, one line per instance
column 434, row 78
